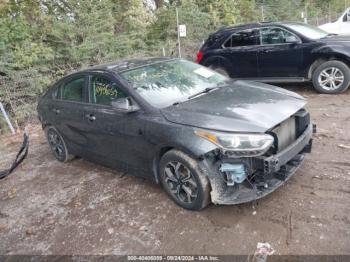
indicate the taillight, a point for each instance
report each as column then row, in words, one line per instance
column 199, row 57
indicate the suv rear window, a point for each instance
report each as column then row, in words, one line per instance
column 211, row 40
column 243, row 38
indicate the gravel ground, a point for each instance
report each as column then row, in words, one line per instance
column 47, row 207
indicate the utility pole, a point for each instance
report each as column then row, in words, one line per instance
column 262, row 13
column 178, row 32
column 305, row 17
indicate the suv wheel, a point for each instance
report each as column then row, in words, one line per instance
column 183, row 181
column 57, row 145
column 331, row 77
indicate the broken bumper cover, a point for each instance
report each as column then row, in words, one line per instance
column 273, row 172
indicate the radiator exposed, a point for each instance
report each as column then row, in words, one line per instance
column 285, row 133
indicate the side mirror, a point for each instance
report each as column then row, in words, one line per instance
column 292, row 40
column 123, row 104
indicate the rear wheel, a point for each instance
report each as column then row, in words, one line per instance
column 57, row 145
column 183, row 181
column 331, row 77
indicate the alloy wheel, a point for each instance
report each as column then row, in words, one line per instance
column 56, row 144
column 181, row 182
column 331, row 78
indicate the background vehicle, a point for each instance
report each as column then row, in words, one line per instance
column 201, row 135
column 341, row 26
column 280, row 52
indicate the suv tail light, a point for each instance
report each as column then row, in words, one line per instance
column 199, row 57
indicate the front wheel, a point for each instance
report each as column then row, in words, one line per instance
column 183, row 181
column 331, row 77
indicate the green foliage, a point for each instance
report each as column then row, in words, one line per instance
column 41, row 40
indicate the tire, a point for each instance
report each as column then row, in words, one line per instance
column 57, row 144
column 334, row 75
column 184, row 193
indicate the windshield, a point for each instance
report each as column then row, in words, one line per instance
column 308, row 30
column 165, row 83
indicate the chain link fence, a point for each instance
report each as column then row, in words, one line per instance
column 320, row 20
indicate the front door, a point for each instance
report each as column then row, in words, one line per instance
column 116, row 137
column 280, row 53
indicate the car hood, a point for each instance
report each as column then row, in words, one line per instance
column 243, row 106
column 337, row 39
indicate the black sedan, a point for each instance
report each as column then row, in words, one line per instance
column 204, row 137
column 280, row 52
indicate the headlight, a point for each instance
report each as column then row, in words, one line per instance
column 239, row 145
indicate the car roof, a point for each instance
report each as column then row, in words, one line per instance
column 127, row 64
column 231, row 29
column 118, row 66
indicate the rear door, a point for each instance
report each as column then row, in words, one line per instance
column 67, row 111
column 280, row 53
column 240, row 49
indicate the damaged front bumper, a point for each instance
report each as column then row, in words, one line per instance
column 269, row 172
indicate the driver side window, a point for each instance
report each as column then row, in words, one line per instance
column 273, row 36
column 104, row 91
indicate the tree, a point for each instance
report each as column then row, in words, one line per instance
column 41, row 40
column 159, row 3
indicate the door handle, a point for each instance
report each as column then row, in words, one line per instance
column 90, row 117
column 266, row 51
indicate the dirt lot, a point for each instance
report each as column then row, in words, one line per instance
column 47, row 207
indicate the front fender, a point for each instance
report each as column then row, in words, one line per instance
column 334, row 50
column 178, row 137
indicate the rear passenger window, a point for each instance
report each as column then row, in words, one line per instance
column 243, row 38
column 73, row 90
column 104, row 91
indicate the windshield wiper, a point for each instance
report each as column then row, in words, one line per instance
column 177, row 103
column 207, row 90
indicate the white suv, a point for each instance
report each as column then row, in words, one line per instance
column 341, row 26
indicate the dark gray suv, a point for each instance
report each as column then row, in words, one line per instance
column 280, row 53
column 204, row 137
